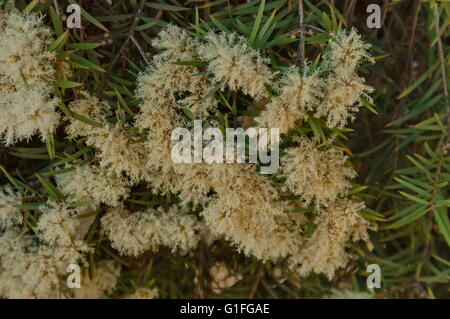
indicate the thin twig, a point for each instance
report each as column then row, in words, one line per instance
column 301, row 44
column 413, row 32
column 125, row 43
column 383, row 15
column 385, row 10
column 55, row 3
column 412, row 39
column 400, row 23
column 444, row 78
column 141, row 51
column 349, row 12
column 442, row 62
column 199, row 289
column 256, row 283
column 138, row 46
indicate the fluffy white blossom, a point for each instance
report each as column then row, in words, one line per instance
column 316, row 172
column 343, row 88
column 234, row 64
column 297, row 95
column 27, row 74
column 119, row 151
column 346, row 51
column 10, row 213
column 325, row 251
column 168, row 85
column 29, row 270
column 57, row 224
column 92, row 183
column 133, row 233
column 247, row 213
column 91, row 108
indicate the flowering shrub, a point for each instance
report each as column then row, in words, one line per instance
column 109, row 197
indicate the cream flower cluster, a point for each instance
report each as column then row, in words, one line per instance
column 325, row 251
column 94, row 184
column 118, row 151
column 177, row 84
column 298, row 94
column 246, row 211
column 343, row 87
column 233, row 64
column 316, row 172
column 133, row 233
column 33, row 266
column 10, row 213
column 333, row 92
column 27, row 73
column 239, row 204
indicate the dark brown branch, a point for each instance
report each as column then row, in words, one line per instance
column 443, row 78
column 125, row 43
column 256, row 283
column 301, row 44
column 141, row 51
